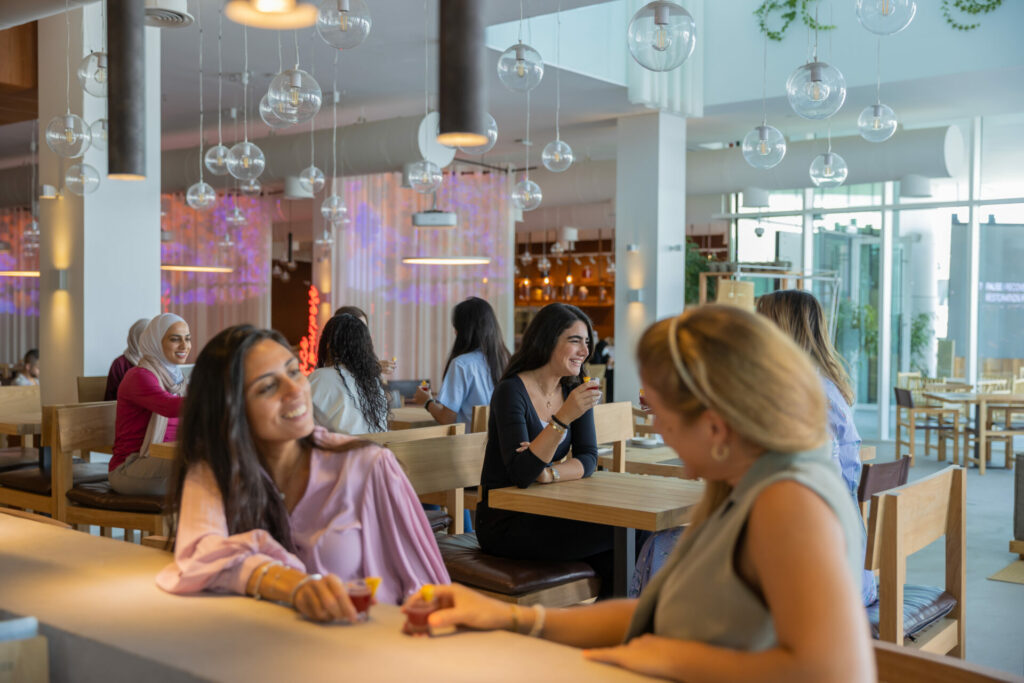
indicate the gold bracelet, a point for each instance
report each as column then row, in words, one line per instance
column 559, row 429
column 515, row 618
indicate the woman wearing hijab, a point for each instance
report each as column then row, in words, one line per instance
column 148, row 402
column 126, row 361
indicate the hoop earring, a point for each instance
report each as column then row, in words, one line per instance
column 720, row 452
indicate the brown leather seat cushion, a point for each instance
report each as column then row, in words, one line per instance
column 470, row 565
column 17, row 458
column 33, row 479
column 439, row 520
column 100, row 495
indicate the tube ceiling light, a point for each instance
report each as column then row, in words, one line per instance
column 126, row 100
column 198, row 269
column 19, row 273
column 271, row 14
column 446, row 260
column 463, row 99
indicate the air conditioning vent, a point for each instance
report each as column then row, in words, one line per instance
column 168, row 13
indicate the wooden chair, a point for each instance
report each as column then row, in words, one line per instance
column 902, row 665
column 15, row 400
column 613, row 423
column 414, row 434
column 935, row 420
column 90, row 427
column 34, row 517
column 481, row 415
column 902, row 521
column 878, row 477
column 91, row 389
column 643, row 422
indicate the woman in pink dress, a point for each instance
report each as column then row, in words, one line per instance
column 264, row 511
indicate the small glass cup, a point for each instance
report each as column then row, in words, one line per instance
column 416, row 613
column 643, row 401
column 361, row 596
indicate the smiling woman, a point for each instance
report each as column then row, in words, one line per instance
column 264, row 511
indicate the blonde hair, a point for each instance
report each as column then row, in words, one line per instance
column 799, row 315
column 742, row 367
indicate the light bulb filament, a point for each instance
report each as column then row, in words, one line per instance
column 343, row 20
column 876, row 123
column 69, row 136
column 245, row 162
column 886, row 8
column 295, row 96
column 827, row 172
column 661, row 39
column 520, row 68
column 762, row 148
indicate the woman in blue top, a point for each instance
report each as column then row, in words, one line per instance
column 475, row 364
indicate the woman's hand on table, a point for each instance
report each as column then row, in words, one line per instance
column 579, row 401
column 647, row 654
column 461, row 606
column 324, row 600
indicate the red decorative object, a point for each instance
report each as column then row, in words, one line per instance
column 308, row 344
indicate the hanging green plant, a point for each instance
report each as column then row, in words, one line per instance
column 788, row 11
column 971, row 7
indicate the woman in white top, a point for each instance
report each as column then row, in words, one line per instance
column 347, row 392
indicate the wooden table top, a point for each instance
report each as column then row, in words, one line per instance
column 408, row 417
column 618, row 499
column 661, row 461
column 109, row 621
column 22, row 422
column 968, row 397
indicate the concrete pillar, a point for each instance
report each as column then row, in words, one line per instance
column 108, row 242
column 650, row 214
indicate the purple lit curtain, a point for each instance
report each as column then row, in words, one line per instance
column 409, row 306
column 212, row 301
column 19, row 296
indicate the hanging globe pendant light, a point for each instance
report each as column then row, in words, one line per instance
column 877, row 123
column 520, row 68
column 82, row 179
column 343, row 24
column 764, row 147
column 246, row 161
column 68, row 135
column 828, row 170
column 492, row 138
column 201, row 196
column 99, row 131
column 816, row 90
column 295, row 96
column 885, row 17
column 425, row 176
column 312, row 180
column 334, row 210
column 557, row 156
column 661, row 35
column 216, row 160
column 269, row 115
column 527, row 195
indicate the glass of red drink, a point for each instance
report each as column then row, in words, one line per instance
column 361, row 596
column 416, row 613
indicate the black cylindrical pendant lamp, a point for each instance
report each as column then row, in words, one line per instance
column 126, row 92
column 463, row 84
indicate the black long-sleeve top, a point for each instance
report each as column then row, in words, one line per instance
column 513, row 421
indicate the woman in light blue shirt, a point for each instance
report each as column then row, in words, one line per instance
column 476, row 362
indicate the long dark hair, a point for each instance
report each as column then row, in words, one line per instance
column 214, row 430
column 346, row 341
column 541, row 337
column 476, row 327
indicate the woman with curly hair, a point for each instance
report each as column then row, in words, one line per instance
column 347, row 390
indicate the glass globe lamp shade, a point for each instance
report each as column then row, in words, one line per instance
column 251, row 187
column 216, row 160
column 828, row 170
column 235, row 216
column 527, row 196
column 201, row 196
column 877, row 123
column 816, row 90
column 520, row 68
column 557, row 156
column 343, row 24
column 492, row 138
column 334, row 210
column 661, row 35
column 885, row 17
column 544, row 264
column 68, row 136
column 311, row 179
column 527, row 258
column 93, row 74
column 295, row 96
column 764, row 147
column 425, row 176
column 246, row 161
column 270, row 116
column 82, row 179
column 98, row 130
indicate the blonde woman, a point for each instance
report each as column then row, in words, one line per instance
column 762, row 584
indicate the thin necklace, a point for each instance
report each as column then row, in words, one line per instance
column 546, row 397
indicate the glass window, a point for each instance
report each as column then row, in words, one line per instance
column 865, row 194
column 1001, row 294
column 1002, row 146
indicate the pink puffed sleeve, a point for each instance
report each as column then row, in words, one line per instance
column 206, row 557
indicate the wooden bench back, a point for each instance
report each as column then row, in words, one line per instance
column 906, row 519
column 481, row 416
column 92, row 389
column 15, row 399
column 86, row 427
column 613, row 423
column 415, row 434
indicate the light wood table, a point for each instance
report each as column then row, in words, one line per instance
column 106, row 620
column 26, row 423
column 622, row 500
column 981, row 403
column 409, row 417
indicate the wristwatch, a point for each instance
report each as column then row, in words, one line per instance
column 555, row 476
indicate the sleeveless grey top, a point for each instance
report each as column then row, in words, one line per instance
column 698, row 594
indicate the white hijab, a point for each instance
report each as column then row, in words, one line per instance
column 133, row 353
column 169, row 374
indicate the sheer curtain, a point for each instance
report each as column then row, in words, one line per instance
column 19, row 296
column 409, row 306
column 212, row 301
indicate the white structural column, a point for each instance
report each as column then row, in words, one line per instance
column 650, row 234
column 108, row 242
column 974, row 254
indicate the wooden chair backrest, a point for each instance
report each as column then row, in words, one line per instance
column 91, row 389
column 993, row 386
column 906, row 519
column 904, row 379
column 878, row 477
column 86, row 427
column 15, row 398
column 415, row 434
column 613, row 423
column 442, row 464
column 481, row 415
column 643, row 422
column 904, row 665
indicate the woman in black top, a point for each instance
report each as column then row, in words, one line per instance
column 540, row 409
